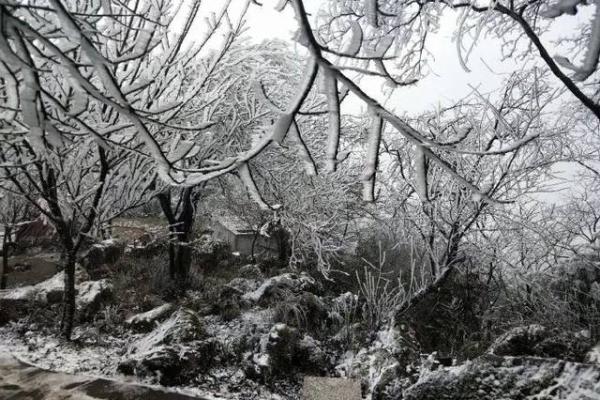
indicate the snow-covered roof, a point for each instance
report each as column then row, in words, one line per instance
column 235, row 224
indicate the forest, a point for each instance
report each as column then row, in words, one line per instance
column 300, row 199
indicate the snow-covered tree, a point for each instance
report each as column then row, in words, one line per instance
column 90, row 90
column 235, row 100
column 441, row 213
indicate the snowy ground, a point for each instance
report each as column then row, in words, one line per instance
column 98, row 356
column 21, row 380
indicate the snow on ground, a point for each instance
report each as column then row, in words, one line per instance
column 94, row 354
column 50, row 352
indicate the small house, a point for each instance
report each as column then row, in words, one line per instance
column 242, row 237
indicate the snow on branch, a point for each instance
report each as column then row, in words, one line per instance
column 372, row 158
column 592, row 55
column 371, row 12
column 333, row 105
column 355, row 41
column 421, row 174
column 309, row 164
column 248, row 180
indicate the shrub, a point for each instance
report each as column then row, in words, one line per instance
column 450, row 319
column 213, row 256
column 568, row 296
column 141, row 283
column 272, row 266
column 288, row 310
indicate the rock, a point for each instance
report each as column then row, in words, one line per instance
column 518, row 341
column 593, row 356
column 493, row 377
column 288, row 281
column 14, row 303
column 175, row 351
column 275, row 355
column 257, row 366
column 244, row 285
column 91, row 295
column 144, row 322
column 536, row 340
column 377, row 369
column 50, row 291
column 283, row 352
column 81, row 275
column 182, row 326
column 382, row 367
column 100, row 254
column 310, row 356
column 19, row 267
column 175, row 364
column 281, row 345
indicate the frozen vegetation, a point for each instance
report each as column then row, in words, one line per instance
column 399, row 197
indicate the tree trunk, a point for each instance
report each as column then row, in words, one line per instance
column 5, row 250
column 182, row 260
column 68, row 312
column 172, row 256
column 183, row 256
column 252, row 258
column 283, row 242
column 180, row 253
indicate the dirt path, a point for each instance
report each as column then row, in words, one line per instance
column 21, row 381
